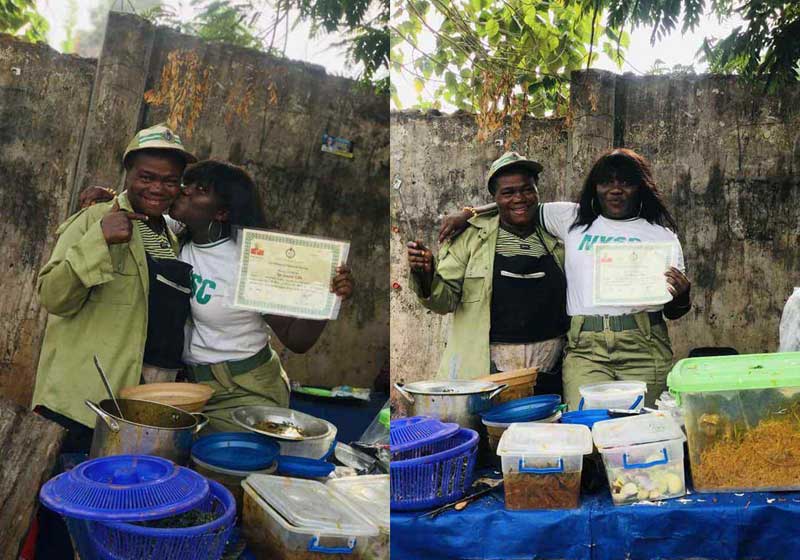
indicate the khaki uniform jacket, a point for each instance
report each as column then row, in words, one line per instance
column 462, row 285
column 96, row 296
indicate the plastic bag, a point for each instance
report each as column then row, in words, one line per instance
column 790, row 324
column 377, row 433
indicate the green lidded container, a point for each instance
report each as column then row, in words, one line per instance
column 742, row 420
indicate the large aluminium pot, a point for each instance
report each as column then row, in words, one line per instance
column 459, row 401
column 148, row 428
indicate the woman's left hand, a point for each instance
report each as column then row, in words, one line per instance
column 342, row 283
column 677, row 282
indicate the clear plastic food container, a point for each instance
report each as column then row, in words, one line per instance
column 643, row 457
column 297, row 519
column 370, row 496
column 542, row 464
column 742, row 417
column 612, row 394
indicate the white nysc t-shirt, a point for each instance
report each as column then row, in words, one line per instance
column 558, row 217
column 219, row 332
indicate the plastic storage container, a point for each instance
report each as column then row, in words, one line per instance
column 643, row 456
column 495, row 430
column 370, row 496
column 542, row 464
column 296, row 519
column 742, row 416
column 613, row 394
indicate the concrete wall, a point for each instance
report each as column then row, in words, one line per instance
column 726, row 158
column 255, row 110
column 44, row 99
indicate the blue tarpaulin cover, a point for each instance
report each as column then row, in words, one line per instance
column 713, row 526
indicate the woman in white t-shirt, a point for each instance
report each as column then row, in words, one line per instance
column 619, row 203
column 225, row 347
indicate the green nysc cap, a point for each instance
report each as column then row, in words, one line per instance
column 512, row 158
column 158, row 137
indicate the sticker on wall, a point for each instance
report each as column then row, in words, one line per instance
column 338, row 146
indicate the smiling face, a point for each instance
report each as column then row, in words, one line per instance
column 618, row 198
column 153, row 181
column 517, row 199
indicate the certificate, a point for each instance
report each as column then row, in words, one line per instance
column 631, row 274
column 284, row 274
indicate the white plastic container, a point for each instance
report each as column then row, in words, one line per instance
column 613, row 394
column 542, row 464
column 370, row 495
column 643, row 457
column 495, row 430
column 288, row 518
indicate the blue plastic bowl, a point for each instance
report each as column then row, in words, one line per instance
column 528, row 409
column 585, row 417
column 236, row 451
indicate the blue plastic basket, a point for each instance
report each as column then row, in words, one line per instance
column 418, row 433
column 433, row 480
column 125, row 541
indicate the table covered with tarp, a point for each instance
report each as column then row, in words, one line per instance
column 712, row 526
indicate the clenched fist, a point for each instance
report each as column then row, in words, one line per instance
column 117, row 226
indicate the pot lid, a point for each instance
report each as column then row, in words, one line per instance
column 236, row 451
column 124, row 488
column 450, row 387
column 369, row 494
column 309, row 504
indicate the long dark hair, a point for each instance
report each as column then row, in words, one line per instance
column 234, row 186
column 628, row 166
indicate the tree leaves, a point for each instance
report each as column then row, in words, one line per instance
column 20, row 18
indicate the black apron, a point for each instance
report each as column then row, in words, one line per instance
column 529, row 299
column 168, row 306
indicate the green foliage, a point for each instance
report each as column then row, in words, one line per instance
column 768, row 46
column 532, row 44
column 365, row 24
column 20, row 18
column 538, row 42
column 231, row 22
column 68, row 45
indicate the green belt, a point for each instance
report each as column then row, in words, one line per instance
column 203, row 372
column 617, row 323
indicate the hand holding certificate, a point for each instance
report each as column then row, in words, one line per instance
column 284, row 274
column 631, row 274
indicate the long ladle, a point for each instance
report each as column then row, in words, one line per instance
column 107, row 384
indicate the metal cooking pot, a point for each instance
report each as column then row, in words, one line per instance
column 459, row 401
column 149, row 428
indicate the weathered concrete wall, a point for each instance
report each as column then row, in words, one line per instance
column 726, row 158
column 260, row 112
column 44, row 97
